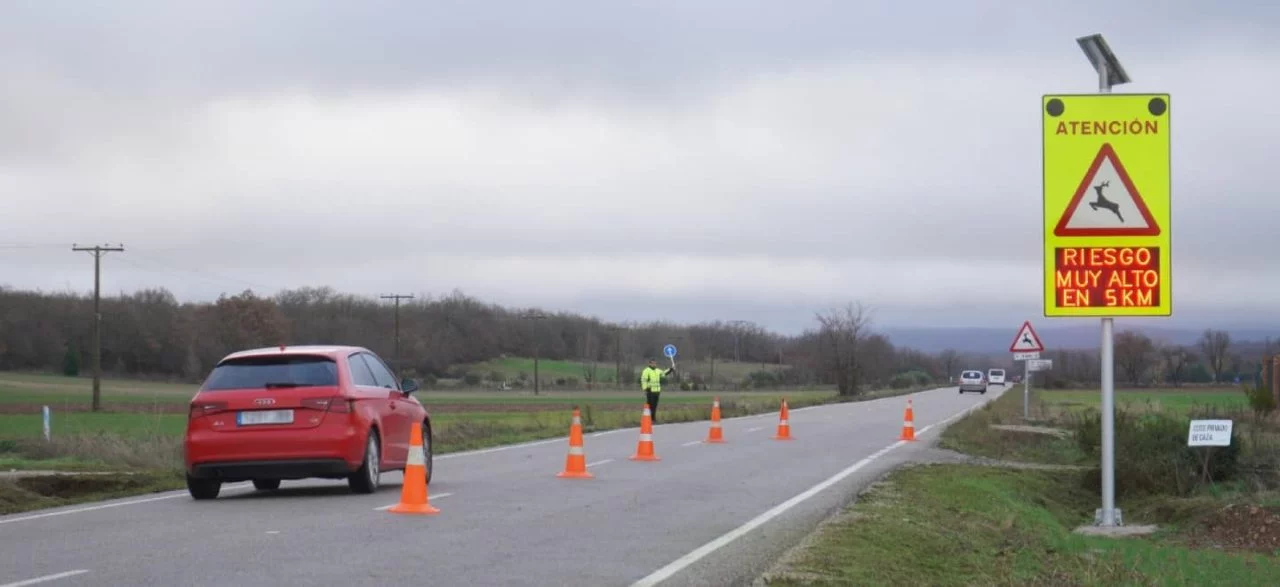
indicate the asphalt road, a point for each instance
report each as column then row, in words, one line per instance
column 703, row 515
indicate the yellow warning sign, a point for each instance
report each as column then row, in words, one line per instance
column 1106, row 205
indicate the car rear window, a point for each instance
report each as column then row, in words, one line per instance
column 273, row 372
column 998, row 372
column 972, row 374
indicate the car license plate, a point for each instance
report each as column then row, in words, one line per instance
column 257, row 417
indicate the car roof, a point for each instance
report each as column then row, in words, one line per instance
column 331, row 351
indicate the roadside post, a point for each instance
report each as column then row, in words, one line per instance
column 1209, row 433
column 1026, row 347
column 1106, row 200
column 47, row 418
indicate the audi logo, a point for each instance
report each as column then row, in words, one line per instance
column 266, row 401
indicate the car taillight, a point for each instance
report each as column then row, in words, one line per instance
column 205, row 408
column 337, row 405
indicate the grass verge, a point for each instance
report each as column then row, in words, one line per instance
column 974, row 525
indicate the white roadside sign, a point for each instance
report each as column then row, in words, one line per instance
column 1040, row 364
column 1025, row 356
column 1209, row 433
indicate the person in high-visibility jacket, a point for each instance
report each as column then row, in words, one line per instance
column 651, row 383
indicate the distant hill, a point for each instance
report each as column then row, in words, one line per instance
column 1082, row 336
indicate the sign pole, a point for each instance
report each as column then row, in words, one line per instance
column 1026, row 390
column 1107, row 230
column 1108, row 381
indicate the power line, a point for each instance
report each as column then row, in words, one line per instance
column 98, row 252
column 397, row 298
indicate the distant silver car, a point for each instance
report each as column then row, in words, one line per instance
column 973, row 380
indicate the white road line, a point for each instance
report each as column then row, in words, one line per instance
column 710, row 547
column 105, row 506
column 589, row 465
column 754, row 429
column 46, row 578
column 429, row 498
column 608, row 432
column 698, row 554
column 692, row 443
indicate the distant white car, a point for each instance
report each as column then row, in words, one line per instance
column 995, row 376
column 973, row 380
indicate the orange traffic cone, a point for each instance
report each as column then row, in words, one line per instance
column 575, row 465
column 413, row 494
column 716, row 435
column 908, row 424
column 784, row 424
column 644, row 450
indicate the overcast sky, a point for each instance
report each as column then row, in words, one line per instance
column 679, row 160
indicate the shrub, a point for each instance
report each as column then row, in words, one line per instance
column 71, row 362
column 1260, row 400
column 471, row 379
column 1151, row 453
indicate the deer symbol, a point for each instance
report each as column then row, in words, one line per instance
column 1027, row 339
column 1103, row 202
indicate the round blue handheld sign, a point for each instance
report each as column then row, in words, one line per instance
column 669, row 351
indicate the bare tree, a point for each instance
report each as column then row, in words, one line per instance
column 844, row 330
column 1215, row 344
column 1134, row 352
column 949, row 359
column 1176, row 359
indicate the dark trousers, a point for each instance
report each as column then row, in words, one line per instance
column 651, row 398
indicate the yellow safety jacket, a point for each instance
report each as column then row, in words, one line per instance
column 651, row 379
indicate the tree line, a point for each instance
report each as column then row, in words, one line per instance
column 1142, row 361
column 151, row 334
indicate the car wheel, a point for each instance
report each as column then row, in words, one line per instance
column 426, row 450
column 366, row 479
column 266, row 484
column 203, row 488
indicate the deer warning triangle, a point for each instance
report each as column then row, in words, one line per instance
column 1113, row 206
column 1027, row 341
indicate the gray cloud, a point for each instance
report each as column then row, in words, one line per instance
column 768, row 159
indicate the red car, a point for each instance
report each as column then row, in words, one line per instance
column 333, row 412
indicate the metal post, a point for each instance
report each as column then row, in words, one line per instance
column 1108, row 516
column 97, row 332
column 1026, row 389
column 47, row 417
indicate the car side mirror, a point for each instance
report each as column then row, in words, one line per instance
column 408, row 385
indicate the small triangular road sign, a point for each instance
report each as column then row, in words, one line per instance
column 1027, row 341
column 1113, row 206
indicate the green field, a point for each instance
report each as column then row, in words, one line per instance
column 512, row 367
column 1172, row 400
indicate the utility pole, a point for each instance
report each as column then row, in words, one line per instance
column 97, row 252
column 397, row 298
column 535, row 315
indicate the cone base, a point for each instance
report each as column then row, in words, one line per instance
column 575, row 475
column 714, row 441
column 783, row 438
column 425, row 509
column 908, row 438
column 646, row 458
